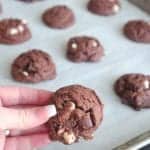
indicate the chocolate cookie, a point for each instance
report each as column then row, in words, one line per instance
column 14, row 31
column 80, row 112
column 84, row 48
column 59, row 17
column 138, row 30
column 33, row 66
column 104, row 7
column 134, row 89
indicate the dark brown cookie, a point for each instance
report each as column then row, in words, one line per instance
column 33, row 66
column 80, row 112
column 104, row 7
column 84, row 48
column 138, row 30
column 14, row 31
column 59, row 17
column 134, row 89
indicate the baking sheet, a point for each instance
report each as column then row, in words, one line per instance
column 121, row 56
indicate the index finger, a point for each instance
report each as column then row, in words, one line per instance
column 10, row 96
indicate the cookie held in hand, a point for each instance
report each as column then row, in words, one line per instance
column 79, row 113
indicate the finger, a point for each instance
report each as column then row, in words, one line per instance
column 37, row 130
column 14, row 96
column 25, row 118
column 27, row 142
column 2, row 140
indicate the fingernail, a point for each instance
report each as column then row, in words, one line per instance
column 51, row 110
column 5, row 132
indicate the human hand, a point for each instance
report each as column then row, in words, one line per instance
column 24, row 112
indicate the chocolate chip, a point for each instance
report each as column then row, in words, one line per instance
column 86, row 122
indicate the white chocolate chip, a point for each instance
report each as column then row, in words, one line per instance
column 69, row 137
column 6, row 132
column 72, row 106
column 24, row 21
column 60, row 131
column 74, row 45
column 25, row 73
column 95, row 44
column 116, row 8
column 146, row 84
column 92, row 135
column 13, row 31
column 20, row 28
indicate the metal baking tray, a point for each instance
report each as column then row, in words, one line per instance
column 143, row 4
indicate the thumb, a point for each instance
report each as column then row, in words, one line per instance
column 2, row 140
column 25, row 118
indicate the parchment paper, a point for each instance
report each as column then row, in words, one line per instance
column 121, row 56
